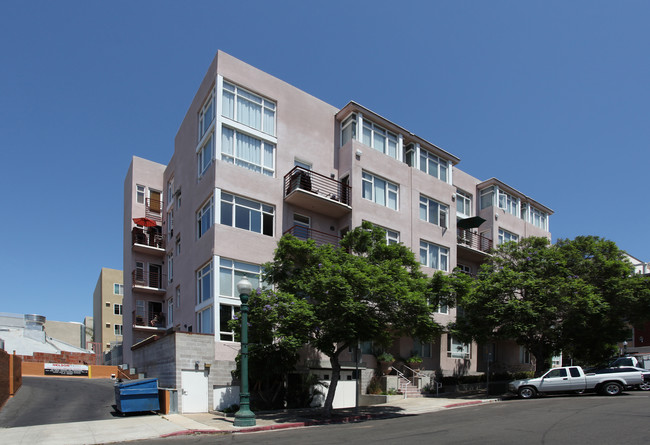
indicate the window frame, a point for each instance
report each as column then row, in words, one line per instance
column 203, row 125
column 377, row 131
column 239, row 93
column 441, row 211
column 117, row 309
column 503, row 234
column 232, row 207
column 204, row 162
column 442, row 254
column 463, row 199
column 204, row 275
column 370, row 179
column 120, row 328
column 440, row 163
column 206, row 208
column 464, row 353
column 267, row 150
column 119, row 287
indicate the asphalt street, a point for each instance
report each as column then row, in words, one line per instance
column 47, row 400
column 576, row 420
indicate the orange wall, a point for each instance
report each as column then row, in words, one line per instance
column 33, row 368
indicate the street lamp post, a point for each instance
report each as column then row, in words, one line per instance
column 244, row 417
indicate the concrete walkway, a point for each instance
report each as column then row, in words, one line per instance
column 168, row 425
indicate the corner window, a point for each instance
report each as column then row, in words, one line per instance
column 508, row 203
column 206, row 116
column 205, row 155
column 204, row 218
column 226, row 313
column 487, row 198
column 204, row 283
column 247, row 214
column 380, row 139
column 247, row 151
column 433, row 212
column 205, row 322
column 463, row 204
column 434, row 256
column 231, row 272
column 248, row 108
column 380, row 191
column 349, row 129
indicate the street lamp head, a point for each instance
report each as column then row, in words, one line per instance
column 244, row 287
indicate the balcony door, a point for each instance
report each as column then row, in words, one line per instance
column 155, row 276
column 302, row 226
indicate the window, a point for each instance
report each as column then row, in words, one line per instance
column 421, row 349
column 409, row 155
column 487, row 197
column 205, row 155
column 433, row 211
column 556, row 373
column 463, row 204
column 178, row 245
column 524, row 355
column 117, row 309
column 204, row 283
column 206, row 116
column 433, row 165
column 392, row 236
column 380, row 139
column 464, row 269
column 170, row 267
column 117, row 329
column 434, row 256
column 139, row 194
column 248, row 108
column 508, row 203
column 118, row 289
column 170, row 311
column 178, row 296
column 246, row 214
column 170, row 224
column 231, row 272
column 538, row 218
column 226, row 313
column 442, row 309
column 505, row 236
column 301, row 226
column 380, row 191
column 456, row 349
column 170, row 191
column 205, row 321
column 349, row 129
column 204, row 218
column 247, row 151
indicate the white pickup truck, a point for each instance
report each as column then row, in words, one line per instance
column 609, row 381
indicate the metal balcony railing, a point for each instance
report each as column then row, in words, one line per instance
column 320, row 238
column 473, row 240
column 151, row 236
column 149, row 319
column 152, row 279
column 302, row 179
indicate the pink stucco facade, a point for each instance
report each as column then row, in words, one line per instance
column 230, row 161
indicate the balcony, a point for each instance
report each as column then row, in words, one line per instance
column 148, row 240
column 308, row 189
column 473, row 241
column 152, row 282
column 320, row 238
column 148, row 320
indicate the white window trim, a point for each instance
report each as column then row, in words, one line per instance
column 374, row 198
column 440, row 254
column 441, row 207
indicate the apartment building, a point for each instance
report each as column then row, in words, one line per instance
column 255, row 158
column 108, row 326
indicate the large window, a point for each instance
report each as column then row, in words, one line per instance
column 433, row 211
column 380, row 139
column 457, row 349
column 433, row 165
column 487, row 197
column 248, row 108
column 205, row 322
column 349, row 129
column 231, row 272
column 380, row 191
column 434, row 256
column 421, row 349
column 538, row 218
column 463, row 204
column 206, row 116
column 204, row 218
column 246, row 214
column 205, row 155
column 204, row 283
column 508, row 203
column 247, row 151
column 505, row 236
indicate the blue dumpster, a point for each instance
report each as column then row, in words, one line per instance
column 137, row 395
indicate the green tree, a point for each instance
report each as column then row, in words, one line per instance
column 365, row 290
column 575, row 297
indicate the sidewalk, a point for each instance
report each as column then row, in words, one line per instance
column 169, row 425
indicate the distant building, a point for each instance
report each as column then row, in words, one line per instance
column 107, row 314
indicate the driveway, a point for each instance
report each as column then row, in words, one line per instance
column 47, row 400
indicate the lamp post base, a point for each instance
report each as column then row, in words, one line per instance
column 244, row 417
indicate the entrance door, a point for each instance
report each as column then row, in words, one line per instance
column 194, row 390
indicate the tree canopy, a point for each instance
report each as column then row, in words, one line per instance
column 575, row 297
column 364, row 290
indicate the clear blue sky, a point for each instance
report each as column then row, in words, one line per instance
column 551, row 97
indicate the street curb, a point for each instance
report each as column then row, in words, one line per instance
column 282, row 426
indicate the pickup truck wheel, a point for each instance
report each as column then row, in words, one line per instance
column 527, row 392
column 645, row 386
column 611, row 389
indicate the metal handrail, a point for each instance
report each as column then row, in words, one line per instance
column 300, row 178
column 319, row 237
column 404, row 380
column 473, row 240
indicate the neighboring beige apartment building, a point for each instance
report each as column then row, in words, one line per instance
column 255, row 158
column 107, row 310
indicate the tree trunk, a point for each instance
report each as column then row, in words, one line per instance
column 336, row 376
column 542, row 360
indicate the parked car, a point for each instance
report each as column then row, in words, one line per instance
column 572, row 379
